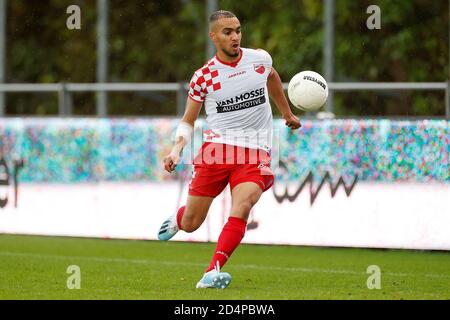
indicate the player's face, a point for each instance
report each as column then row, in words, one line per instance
column 226, row 35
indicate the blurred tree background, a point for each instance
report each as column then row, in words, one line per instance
column 165, row 41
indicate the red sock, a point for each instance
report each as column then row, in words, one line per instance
column 230, row 237
column 180, row 216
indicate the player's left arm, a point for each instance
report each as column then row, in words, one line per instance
column 276, row 93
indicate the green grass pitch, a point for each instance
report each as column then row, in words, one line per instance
column 33, row 267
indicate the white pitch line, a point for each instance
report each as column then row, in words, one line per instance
column 193, row 264
column 99, row 259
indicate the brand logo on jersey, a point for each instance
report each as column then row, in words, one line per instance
column 243, row 101
column 236, row 74
column 259, row 68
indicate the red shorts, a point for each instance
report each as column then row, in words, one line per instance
column 218, row 164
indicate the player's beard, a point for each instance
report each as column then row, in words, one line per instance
column 231, row 55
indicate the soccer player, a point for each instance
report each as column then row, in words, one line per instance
column 234, row 86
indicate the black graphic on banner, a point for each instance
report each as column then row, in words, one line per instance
column 314, row 192
column 5, row 180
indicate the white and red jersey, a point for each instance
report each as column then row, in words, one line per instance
column 236, row 99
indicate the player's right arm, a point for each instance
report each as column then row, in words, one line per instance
column 185, row 129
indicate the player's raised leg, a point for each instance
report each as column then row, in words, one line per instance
column 188, row 218
column 244, row 197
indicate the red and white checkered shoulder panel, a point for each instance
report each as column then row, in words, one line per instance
column 204, row 81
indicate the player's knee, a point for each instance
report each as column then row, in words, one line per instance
column 244, row 207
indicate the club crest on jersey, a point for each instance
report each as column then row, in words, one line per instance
column 259, row 68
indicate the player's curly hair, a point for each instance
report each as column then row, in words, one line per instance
column 221, row 14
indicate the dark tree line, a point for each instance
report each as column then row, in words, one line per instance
column 164, row 41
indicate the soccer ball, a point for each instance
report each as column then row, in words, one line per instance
column 308, row 90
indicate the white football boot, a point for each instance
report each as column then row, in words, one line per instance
column 168, row 229
column 214, row 279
